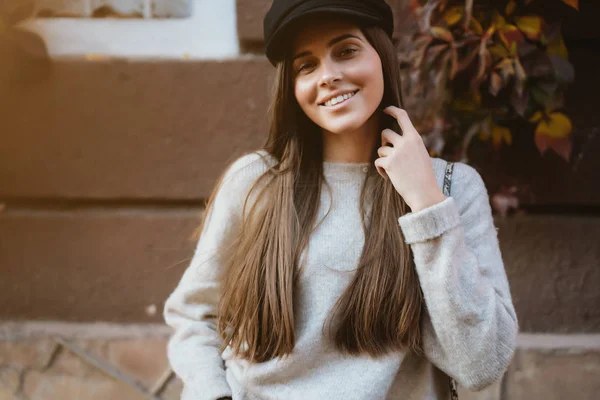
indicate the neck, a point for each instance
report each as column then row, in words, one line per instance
column 353, row 146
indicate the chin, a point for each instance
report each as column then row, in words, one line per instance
column 344, row 125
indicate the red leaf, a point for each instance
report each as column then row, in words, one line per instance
column 562, row 146
column 572, row 3
column 510, row 35
column 554, row 133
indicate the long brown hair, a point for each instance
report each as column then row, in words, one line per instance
column 381, row 308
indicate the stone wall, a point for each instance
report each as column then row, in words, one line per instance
column 105, row 166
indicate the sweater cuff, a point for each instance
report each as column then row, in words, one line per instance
column 430, row 222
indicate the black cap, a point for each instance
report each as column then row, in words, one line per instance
column 284, row 13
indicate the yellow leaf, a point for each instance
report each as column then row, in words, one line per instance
column 498, row 52
column 510, row 7
column 558, row 48
column 498, row 21
column 453, row 15
column 536, row 117
column 531, row 26
column 470, row 101
column 441, row 33
column 500, row 135
column 556, row 126
column 476, row 26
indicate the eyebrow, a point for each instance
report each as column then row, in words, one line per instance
column 331, row 43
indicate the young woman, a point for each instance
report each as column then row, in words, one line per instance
column 331, row 265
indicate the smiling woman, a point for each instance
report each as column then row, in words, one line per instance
column 338, row 81
column 331, row 263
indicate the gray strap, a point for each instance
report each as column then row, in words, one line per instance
column 448, row 178
column 447, row 186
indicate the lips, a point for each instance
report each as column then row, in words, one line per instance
column 338, row 99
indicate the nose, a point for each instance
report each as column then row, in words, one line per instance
column 330, row 73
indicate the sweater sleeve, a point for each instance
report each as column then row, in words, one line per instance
column 470, row 326
column 191, row 309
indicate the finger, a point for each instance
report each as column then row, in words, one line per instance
column 402, row 118
column 384, row 151
column 381, row 165
column 391, row 137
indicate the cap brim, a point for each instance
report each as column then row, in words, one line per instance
column 281, row 38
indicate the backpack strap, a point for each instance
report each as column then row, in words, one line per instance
column 448, row 178
column 446, row 187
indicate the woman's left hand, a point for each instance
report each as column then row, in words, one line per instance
column 407, row 163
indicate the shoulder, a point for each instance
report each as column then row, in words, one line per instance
column 240, row 178
column 247, row 169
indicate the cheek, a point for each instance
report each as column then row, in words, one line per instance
column 304, row 94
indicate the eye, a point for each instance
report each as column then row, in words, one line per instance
column 304, row 67
column 348, row 51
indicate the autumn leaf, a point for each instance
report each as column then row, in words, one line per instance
column 520, row 75
column 453, row 15
column 498, row 20
column 498, row 52
column 572, row 3
column 495, row 83
column 531, row 26
column 510, row 7
column 511, row 36
column 557, row 47
column 500, row 135
column 441, row 33
column 475, row 26
column 553, row 132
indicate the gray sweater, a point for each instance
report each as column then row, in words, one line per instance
column 469, row 328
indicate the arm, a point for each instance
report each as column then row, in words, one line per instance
column 191, row 309
column 470, row 326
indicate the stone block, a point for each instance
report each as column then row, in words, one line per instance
column 63, row 8
column 116, row 129
column 171, row 8
column 552, row 266
column 173, row 390
column 494, row 392
column 68, row 363
column 142, row 359
column 554, row 375
column 39, row 386
column 23, row 354
column 92, row 265
column 10, row 381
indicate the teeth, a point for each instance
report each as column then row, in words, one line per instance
column 338, row 99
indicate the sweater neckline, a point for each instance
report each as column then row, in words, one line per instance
column 345, row 171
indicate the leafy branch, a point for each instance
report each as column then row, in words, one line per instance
column 474, row 70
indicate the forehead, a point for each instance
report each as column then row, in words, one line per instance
column 318, row 32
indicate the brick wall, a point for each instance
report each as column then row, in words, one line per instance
column 105, row 165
